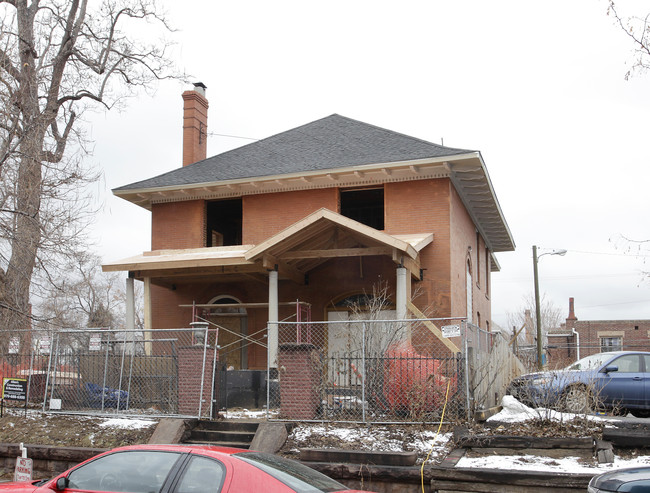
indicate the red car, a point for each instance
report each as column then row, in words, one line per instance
column 184, row 469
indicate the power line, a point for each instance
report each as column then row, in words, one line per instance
column 628, row 254
column 214, row 134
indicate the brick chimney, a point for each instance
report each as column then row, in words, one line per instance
column 195, row 124
column 572, row 315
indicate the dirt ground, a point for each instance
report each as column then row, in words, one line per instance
column 87, row 431
column 69, row 430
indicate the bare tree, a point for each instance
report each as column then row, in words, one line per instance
column 638, row 30
column 58, row 58
column 551, row 317
column 83, row 296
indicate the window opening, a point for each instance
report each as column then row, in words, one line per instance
column 364, row 205
column 611, row 344
column 478, row 259
column 224, row 222
column 487, row 272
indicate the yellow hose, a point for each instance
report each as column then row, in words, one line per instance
column 442, row 417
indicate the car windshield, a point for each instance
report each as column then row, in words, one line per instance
column 590, row 362
column 297, row 476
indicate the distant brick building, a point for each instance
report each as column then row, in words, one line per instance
column 579, row 338
column 315, row 215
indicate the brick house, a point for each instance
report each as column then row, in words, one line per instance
column 295, row 224
column 576, row 339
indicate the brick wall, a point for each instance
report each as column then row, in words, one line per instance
column 299, row 369
column 634, row 334
column 428, row 213
column 190, row 368
column 48, row 461
column 267, row 214
column 178, row 225
column 436, row 209
column 463, row 236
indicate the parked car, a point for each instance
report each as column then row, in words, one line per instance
column 184, row 469
column 633, row 480
column 617, row 380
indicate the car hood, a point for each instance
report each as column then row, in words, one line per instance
column 614, row 480
column 556, row 374
column 21, row 486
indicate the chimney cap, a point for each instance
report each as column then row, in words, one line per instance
column 200, row 87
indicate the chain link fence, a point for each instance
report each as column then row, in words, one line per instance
column 387, row 370
column 100, row 371
column 371, row 371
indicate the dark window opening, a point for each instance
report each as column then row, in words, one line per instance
column 364, row 205
column 224, row 223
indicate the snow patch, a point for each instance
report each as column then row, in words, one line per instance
column 128, row 424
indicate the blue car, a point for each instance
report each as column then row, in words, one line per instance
column 617, row 380
column 633, row 480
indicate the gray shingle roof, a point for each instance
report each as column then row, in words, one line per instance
column 329, row 143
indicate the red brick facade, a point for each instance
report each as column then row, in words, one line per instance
column 267, row 214
column 177, row 225
column 438, row 210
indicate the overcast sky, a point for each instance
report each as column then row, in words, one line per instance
column 538, row 87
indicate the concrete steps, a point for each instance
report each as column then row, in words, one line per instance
column 237, row 434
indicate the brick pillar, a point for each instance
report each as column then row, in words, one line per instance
column 300, row 369
column 190, row 365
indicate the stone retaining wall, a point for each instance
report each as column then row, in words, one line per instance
column 48, row 460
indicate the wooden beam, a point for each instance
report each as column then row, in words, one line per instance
column 413, row 265
column 243, row 305
column 336, row 252
column 433, row 328
column 284, row 270
column 202, row 271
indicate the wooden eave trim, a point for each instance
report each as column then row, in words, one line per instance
column 161, row 266
column 415, row 164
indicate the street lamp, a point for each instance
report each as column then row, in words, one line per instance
column 538, row 315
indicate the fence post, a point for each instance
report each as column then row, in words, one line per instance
column 465, row 331
column 363, row 372
column 47, row 377
column 56, row 358
column 214, row 369
column 119, row 386
column 108, row 343
column 205, row 351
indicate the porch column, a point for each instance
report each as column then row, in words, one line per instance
column 130, row 314
column 272, row 339
column 402, row 294
column 147, row 316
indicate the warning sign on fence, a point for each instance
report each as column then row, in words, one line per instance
column 23, row 470
column 451, row 331
column 14, row 389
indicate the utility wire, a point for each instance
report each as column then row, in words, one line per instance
column 214, row 134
